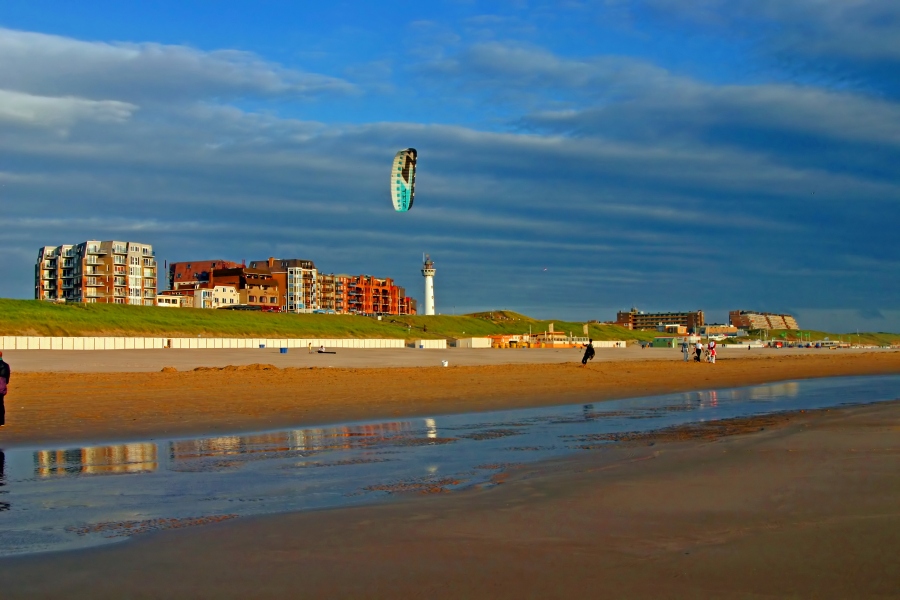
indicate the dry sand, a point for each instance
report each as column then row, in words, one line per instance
column 48, row 407
column 799, row 505
column 794, row 506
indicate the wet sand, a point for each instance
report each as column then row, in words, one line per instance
column 801, row 505
column 68, row 407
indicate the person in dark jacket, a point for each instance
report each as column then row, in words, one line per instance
column 588, row 353
column 4, row 382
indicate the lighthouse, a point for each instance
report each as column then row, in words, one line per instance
column 428, row 274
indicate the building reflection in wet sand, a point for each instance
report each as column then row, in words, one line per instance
column 143, row 457
column 97, row 460
column 300, row 441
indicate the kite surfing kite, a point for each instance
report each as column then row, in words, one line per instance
column 403, row 179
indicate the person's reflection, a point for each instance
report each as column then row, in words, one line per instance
column 3, row 505
column 588, row 412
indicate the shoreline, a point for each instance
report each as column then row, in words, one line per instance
column 767, row 505
column 61, row 408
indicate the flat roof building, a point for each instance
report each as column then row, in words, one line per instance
column 639, row 320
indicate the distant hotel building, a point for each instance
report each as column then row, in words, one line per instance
column 746, row 319
column 638, row 320
column 108, row 272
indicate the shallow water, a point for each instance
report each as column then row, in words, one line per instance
column 68, row 498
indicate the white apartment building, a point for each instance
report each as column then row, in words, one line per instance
column 105, row 272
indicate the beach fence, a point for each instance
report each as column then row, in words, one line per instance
column 150, row 343
column 429, row 344
column 473, row 342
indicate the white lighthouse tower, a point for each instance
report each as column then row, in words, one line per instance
column 428, row 273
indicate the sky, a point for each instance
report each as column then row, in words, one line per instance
column 575, row 157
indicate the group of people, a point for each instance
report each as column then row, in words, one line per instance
column 698, row 351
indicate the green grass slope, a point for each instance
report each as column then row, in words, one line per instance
column 30, row 317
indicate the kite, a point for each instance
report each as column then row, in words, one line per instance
column 403, row 179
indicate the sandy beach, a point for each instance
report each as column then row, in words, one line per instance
column 800, row 504
column 232, row 396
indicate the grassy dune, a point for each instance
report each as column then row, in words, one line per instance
column 868, row 338
column 30, row 317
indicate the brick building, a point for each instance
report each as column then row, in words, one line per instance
column 639, row 320
column 102, row 272
column 297, row 282
column 189, row 274
column 363, row 295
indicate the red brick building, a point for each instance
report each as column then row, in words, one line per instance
column 188, row 274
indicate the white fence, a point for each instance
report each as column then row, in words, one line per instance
column 141, row 343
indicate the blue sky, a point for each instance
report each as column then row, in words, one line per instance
column 575, row 158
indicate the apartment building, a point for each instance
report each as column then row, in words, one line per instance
column 255, row 287
column 639, row 320
column 747, row 319
column 363, row 295
column 297, row 280
column 104, row 272
column 201, row 295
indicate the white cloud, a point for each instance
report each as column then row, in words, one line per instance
column 59, row 113
column 51, row 65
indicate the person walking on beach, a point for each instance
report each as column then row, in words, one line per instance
column 711, row 357
column 588, row 353
column 698, row 350
column 4, row 386
column 685, row 349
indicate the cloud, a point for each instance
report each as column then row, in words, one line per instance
column 859, row 29
column 59, row 113
column 49, row 65
column 842, row 45
column 624, row 98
